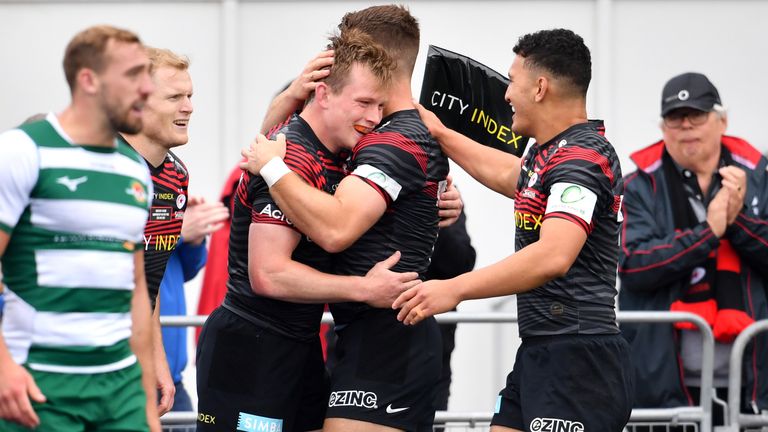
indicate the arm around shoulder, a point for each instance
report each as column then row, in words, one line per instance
column 332, row 221
column 493, row 168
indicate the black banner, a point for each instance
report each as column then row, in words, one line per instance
column 468, row 97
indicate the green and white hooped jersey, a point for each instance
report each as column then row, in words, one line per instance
column 75, row 215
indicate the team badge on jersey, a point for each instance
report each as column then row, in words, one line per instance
column 379, row 177
column 180, row 201
column 137, row 191
column 573, row 199
column 532, row 181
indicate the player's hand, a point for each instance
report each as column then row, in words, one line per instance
column 202, row 218
column 425, row 300
column 382, row 285
column 316, row 70
column 717, row 212
column 261, row 151
column 435, row 126
column 735, row 180
column 450, row 205
column 165, row 388
column 17, row 387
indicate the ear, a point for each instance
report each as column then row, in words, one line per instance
column 88, row 81
column 724, row 123
column 542, row 87
column 322, row 92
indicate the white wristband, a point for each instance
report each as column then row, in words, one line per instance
column 273, row 171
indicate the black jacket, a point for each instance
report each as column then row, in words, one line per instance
column 656, row 261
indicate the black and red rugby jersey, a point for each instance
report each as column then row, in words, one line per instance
column 170, row 181
column 579, row 163
column 318, row 166
column 405, row 164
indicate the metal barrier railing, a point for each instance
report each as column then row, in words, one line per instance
column 701, row 413
column 441, row 417
column 735, row 418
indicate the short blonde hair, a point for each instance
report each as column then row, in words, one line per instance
column 160, row 57
column 354, row 46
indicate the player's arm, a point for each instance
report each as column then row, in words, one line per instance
column 332, row 221
column 165, row 384
column 17, row 386
column 548, row 258
column 292, row 98
column 274, row 274
column 494, row 168
column 18, row 175
column 142, row 337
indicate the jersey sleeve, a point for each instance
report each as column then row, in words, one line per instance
column 391, row 163
column 578, row 184
column 264, row 208
column 19, row 164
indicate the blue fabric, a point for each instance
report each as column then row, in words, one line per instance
column 183, row 265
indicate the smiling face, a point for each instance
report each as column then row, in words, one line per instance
column 125, row 85
column 356, row 108
column 520, row 95
column 168, row 109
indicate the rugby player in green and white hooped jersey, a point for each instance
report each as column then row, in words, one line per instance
column 74, row 206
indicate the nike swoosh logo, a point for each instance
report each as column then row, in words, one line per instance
column 391, row 410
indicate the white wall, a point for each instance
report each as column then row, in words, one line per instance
column 243, row 52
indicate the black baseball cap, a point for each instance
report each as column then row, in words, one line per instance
column 689, row 90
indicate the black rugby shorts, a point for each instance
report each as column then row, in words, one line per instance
column 252, row 379
column 571, row 383
column 387, row 372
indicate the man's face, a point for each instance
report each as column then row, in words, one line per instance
column 692, row 136
column 519, row 94
column 125, row 85
column 166, row 115
column 356, row 108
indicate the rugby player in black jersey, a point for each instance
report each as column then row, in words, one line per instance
column 572, row 371
column 260, row 366
column 386, row 372
column 166, row 120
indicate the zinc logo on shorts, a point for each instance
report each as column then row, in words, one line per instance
column 358, row 398
column 543, row 424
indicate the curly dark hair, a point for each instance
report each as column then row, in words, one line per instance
column 560, row 52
